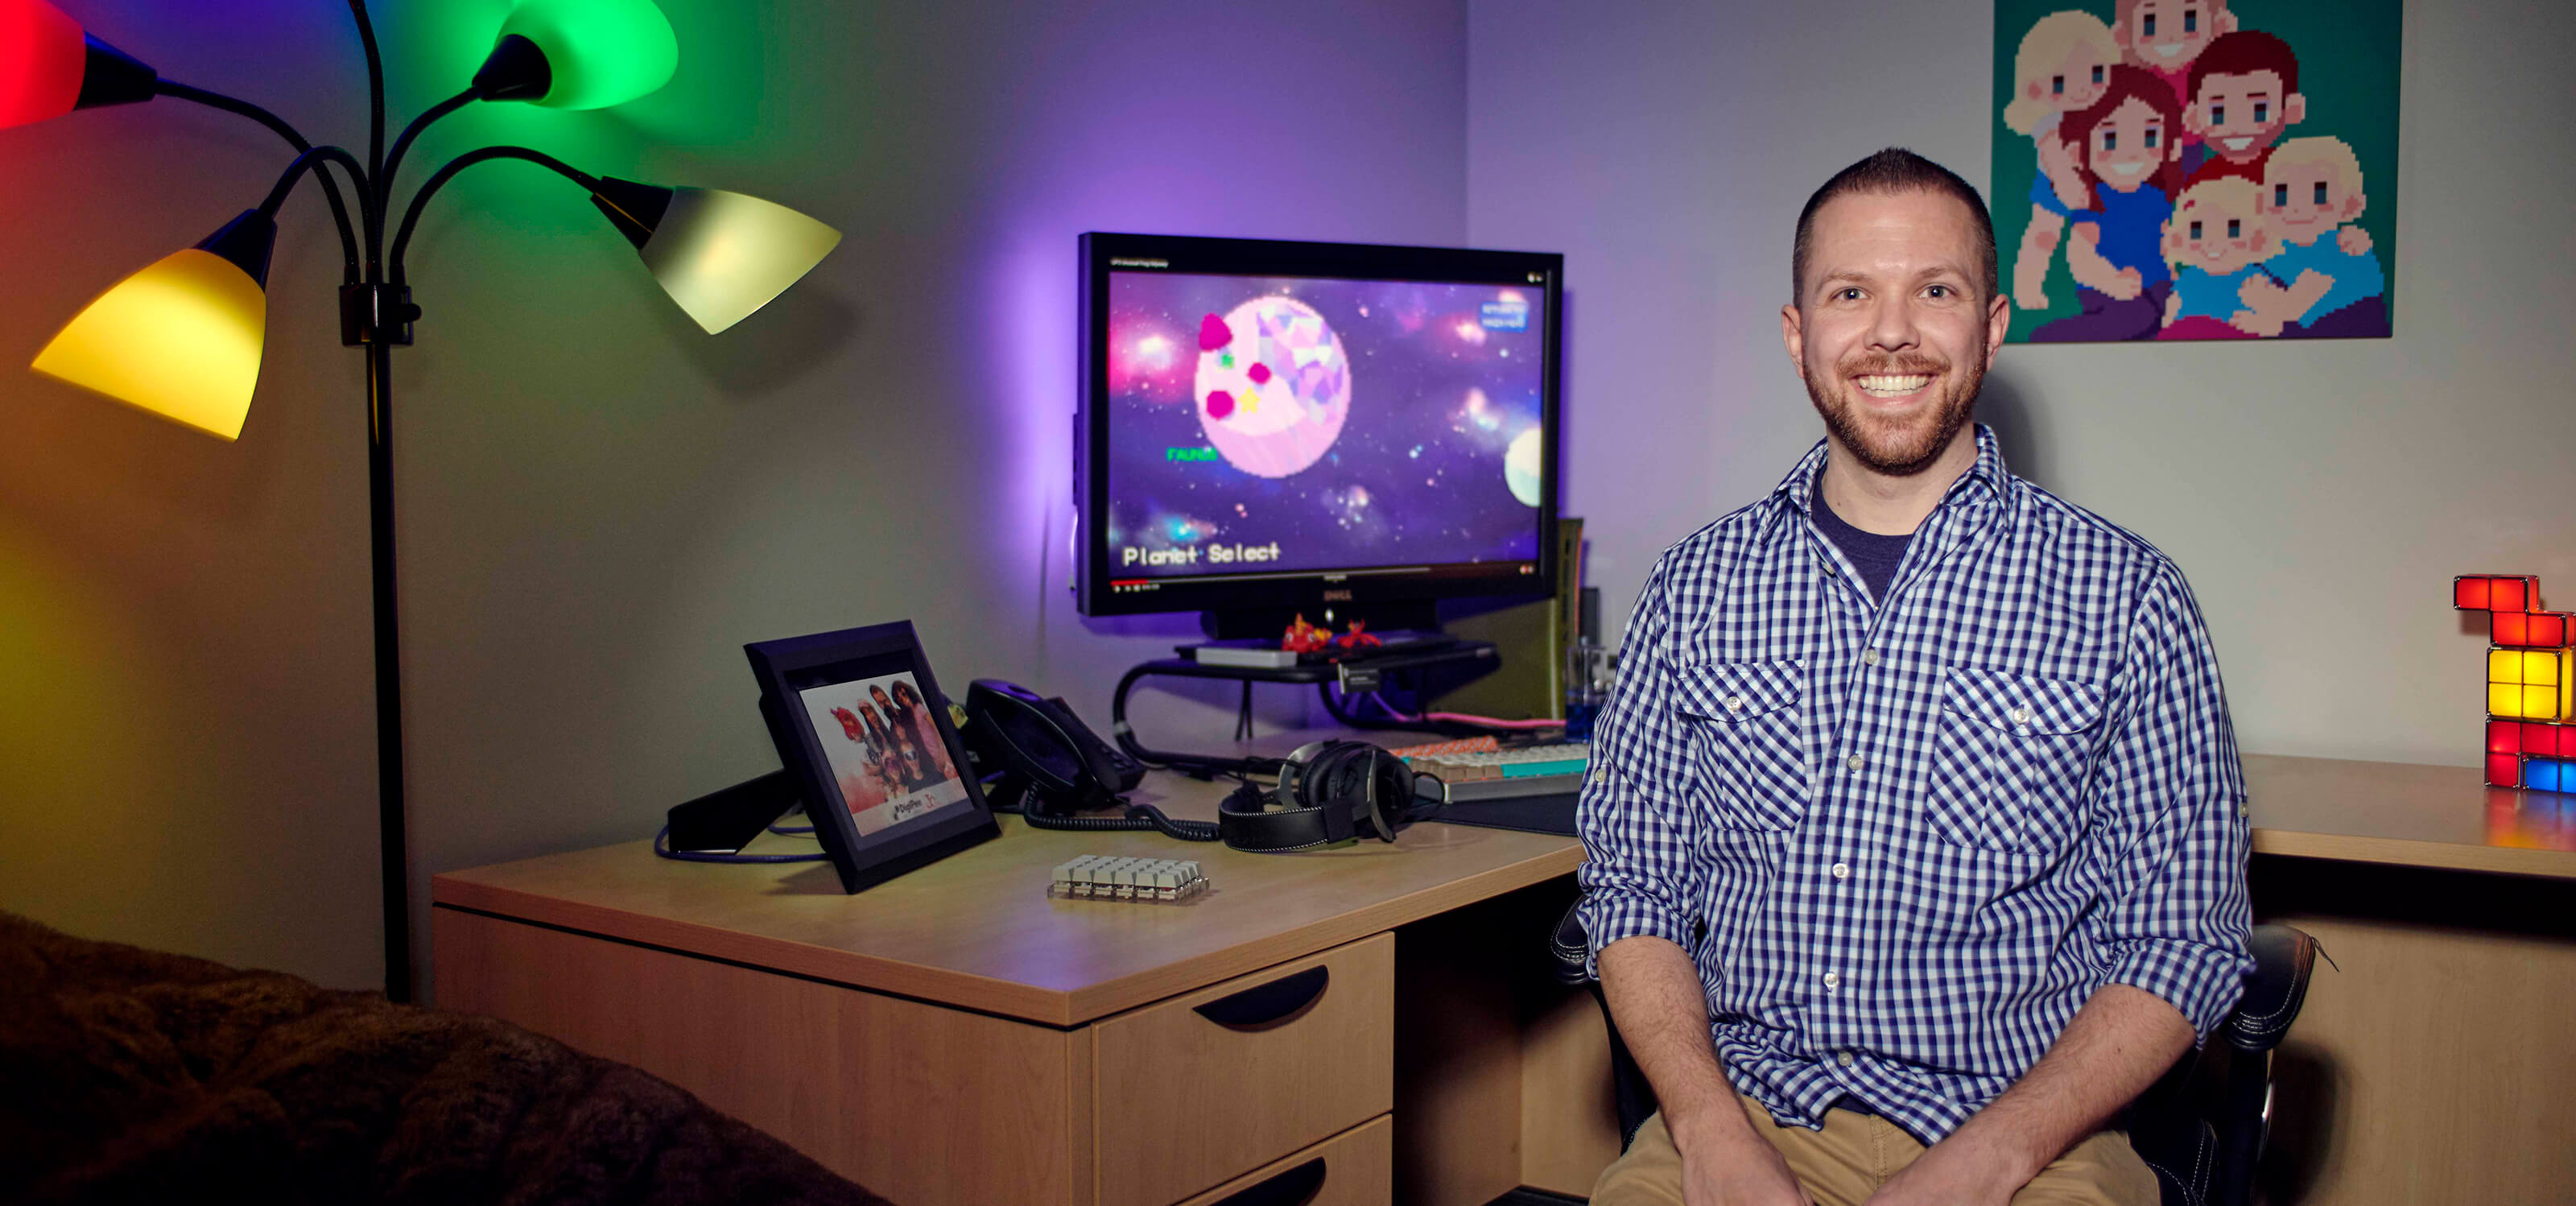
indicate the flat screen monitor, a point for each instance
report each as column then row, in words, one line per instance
column 1269, row 426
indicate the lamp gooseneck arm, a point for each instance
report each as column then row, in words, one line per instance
column 311, row 161
column 375, row 125
column 439, row 179
column 294, row 138
column 410, row 134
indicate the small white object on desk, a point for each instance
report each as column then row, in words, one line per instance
column 1105, row 877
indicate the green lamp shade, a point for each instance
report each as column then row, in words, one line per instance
column 601, row 52
column 720, row 255
column 182, row 338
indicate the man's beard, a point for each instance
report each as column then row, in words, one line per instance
column 1895, row 447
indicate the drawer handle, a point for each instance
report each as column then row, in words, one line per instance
column 1262, row 1004
column 1291, row 1188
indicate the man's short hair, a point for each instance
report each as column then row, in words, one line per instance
column 2245, row 52
column 1897, row 170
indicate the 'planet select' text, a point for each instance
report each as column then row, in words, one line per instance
column 1216, row 554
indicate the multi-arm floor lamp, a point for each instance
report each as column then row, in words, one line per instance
column 183, row 337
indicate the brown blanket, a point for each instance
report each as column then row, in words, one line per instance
column 127, row 1075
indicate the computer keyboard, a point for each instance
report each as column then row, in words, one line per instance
column 1480, row 769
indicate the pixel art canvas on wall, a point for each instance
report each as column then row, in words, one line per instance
column 2196, row 169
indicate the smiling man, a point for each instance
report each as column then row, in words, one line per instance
column 1914, row 829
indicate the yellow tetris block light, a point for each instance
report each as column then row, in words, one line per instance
column 2531, row 684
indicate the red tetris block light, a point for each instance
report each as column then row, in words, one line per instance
column 2494, row 592
column 2531, row 629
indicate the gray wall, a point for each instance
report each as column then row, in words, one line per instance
column 600, row 504
column 2320, row 496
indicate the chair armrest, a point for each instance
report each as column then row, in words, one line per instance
column 2274, row 990
column 1571, row 947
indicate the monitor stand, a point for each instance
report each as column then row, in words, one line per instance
column 1381, row 616
column 1351, row 676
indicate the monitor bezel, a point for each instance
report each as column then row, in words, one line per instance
column 1350, row 588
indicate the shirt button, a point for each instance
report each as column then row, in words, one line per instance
column 1833, row 980
column 1843, row 1057
column 1852, row 762
column 1734, row 703
column 1869, row 657
column 1842, row 871
column 2021, row 716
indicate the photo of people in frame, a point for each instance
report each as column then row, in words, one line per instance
column 884, row 749
column 2196, row 169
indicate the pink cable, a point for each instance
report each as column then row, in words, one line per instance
column 1491, row 722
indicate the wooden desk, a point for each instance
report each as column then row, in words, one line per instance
column 942, row 1037
column 955, row 1035
column 2431, row 817
column 2433, row 1066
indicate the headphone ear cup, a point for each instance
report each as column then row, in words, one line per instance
column 1394, row 781
column 1296, row 771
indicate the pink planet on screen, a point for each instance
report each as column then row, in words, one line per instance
column 1284, row 381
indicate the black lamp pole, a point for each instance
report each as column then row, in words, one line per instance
column 376, row 314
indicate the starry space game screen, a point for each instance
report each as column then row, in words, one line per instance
column 1269, row 425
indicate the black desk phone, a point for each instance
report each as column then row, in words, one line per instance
column 1045, row 764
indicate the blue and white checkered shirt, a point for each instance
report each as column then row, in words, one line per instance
column 1905, row 841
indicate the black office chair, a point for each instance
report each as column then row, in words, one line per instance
column 2202, row 1145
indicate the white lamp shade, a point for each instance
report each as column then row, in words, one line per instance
column 723, row 255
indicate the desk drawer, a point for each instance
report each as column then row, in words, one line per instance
column 1186, row 1100
column 1354, row 1168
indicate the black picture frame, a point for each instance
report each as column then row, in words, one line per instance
column 800, row 677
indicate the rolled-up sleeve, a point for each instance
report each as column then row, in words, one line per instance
column 2172, row 836
column 1638, row 831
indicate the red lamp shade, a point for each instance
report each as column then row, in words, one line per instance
column 42, row 54
column 49, row 67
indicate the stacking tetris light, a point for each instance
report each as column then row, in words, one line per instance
column 182, row 338
column 720, row 255
column 49, row 66
column 2531, row 682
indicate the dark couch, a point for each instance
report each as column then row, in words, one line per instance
column 127, row 1075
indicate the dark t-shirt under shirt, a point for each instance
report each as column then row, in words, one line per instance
column 1875, row 556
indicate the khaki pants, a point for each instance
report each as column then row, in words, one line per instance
column 1844, row 1163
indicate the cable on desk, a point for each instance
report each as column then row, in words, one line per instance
column 1338, row 706
column 1139, row 817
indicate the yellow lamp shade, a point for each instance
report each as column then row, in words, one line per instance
column 724, row 255
column 181, row 338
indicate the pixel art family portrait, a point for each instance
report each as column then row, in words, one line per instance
column 2196, row 169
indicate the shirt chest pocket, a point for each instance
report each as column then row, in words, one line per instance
column 1748, row 762
column 2011, row 758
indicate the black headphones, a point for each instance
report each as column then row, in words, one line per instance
column 1329, row 791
